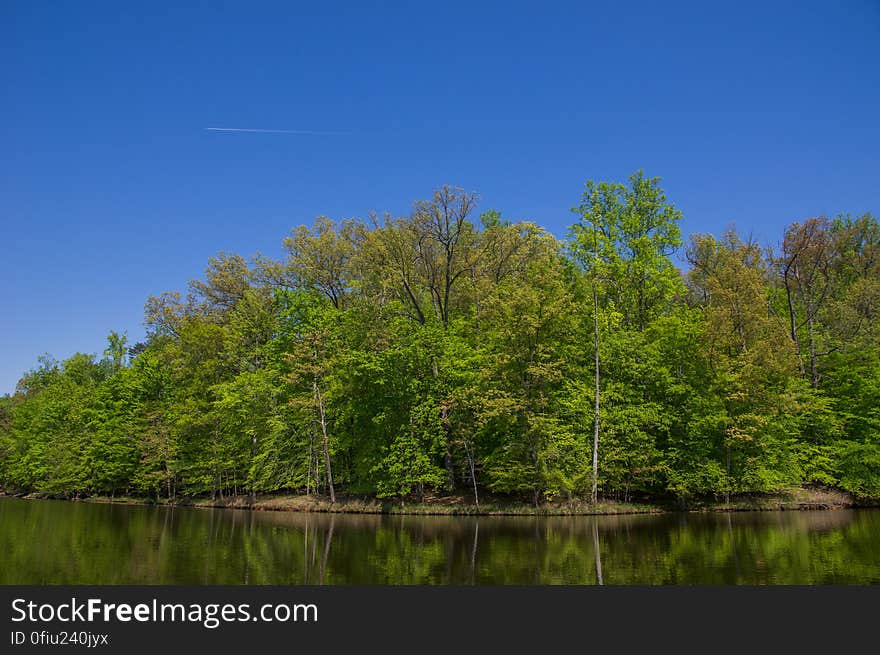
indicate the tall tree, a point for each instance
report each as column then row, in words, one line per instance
column 752, row 359
column 593, row 238
column 623, row 238
column 313, row 342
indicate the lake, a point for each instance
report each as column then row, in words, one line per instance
column 58, row 542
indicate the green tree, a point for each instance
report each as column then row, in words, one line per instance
column 623, row 239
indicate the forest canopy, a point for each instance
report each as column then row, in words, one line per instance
column 453, row 351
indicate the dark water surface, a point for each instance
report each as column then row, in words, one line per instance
column 58, row 542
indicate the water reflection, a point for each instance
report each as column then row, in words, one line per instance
column 55, row 542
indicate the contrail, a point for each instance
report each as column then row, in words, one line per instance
column 250, row 129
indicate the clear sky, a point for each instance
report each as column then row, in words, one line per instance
column 111, row 188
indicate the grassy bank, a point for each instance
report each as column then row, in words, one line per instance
column 462, row 505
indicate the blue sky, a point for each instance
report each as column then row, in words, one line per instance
column 754, row 113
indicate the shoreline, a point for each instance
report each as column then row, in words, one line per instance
column 791, row 500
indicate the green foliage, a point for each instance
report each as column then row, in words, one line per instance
column 407, row 465
column 429, row 354
column 858, row 468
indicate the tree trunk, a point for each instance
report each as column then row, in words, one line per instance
column 594, row 495
column 814, row 372
column 319, row 401
column 447, row 456
column 217, row 479
column 253, row 457
column 792, row 323
column 727, row 485
column 309, row 465
column 473, row 473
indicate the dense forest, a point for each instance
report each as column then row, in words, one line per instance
column 453, row 351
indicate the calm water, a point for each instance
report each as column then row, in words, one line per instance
column 57, row 542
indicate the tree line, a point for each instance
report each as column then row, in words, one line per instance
column 451, row 351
